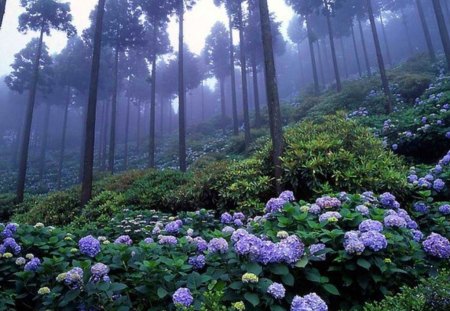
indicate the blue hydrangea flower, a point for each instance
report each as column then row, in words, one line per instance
column 370, row 225
column 239, row 215
column 328, row 202
column 388, row 200
column 417, row 235
column 124, row 239
column 315, row 248
column 228, row 230
column 413, row 178
column 167, row 240
column 182, row 297
column 421, row 207
column 10, row 244
column 32, row 265
column 148, row 240
column 363, row 210
column 438, row 185
column 274, row 205
column 423, row 183
column 354, row 246
column 394, row 221
column 226, row 218
column 89, row 246
column 74, row 278
column 287, row 196
column 437, row 246
column 218, row 245
column 374, row 240
column 99, row 271
column 173, row 227
column 444, row 209
column 311, row 302
column 198, row 262
column 315, row 209
column 330, row 215
column 276, row 290
column 201, row 244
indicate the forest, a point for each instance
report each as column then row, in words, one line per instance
column 225, row 155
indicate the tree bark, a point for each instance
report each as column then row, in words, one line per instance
column 408, row 38
column 138, row 129
column 233, row 81
column 344, row 57
column 104, row 138
column 222, row 104
column 321, row 66
column 22, row 172
column 127, row 131
column 161, row 116
column 181, row 92
column 384, row 80
column 151, row 154
column 256, row 92
column 300, row 63
column 2, row 11
column 363, row 42
column 426, row 30
column 273, row 100
column 386, row 44
column 203, row 100
column 355, row 47
column 443, row 31
column 313, row 58
column 86, row 190
column 44, row 142
column 112, row 137
column 333, row 50
column 63, row 138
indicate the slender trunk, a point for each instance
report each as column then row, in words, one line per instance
column 105, row 136
column 2, row 11
column 384, row 80
column 63, row 138
column 256, row 92
column 203, row 100
column 273, row 100
column 112, row 138
column 344, row 57
column 82, row 146
column 333, row 51
column 44, row 143
column 27, row 124
column 244, row 78
column 127, row 131
column 181, row 92
column 363, row 42
column 151, row 154
column 222, row 104
column 442, row 30
column 233, row 81
column 100, row 135
column 313, row 57
column 355, row 47
column 161, row 116
column 86, row 190
column 300, row 63
column 426, row 30
column 408, row 38
column 386, row 44
column 321, row 67
column 16, row 146
column 138, row 132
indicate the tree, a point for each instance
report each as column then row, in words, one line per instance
column 217, row 51
column 88, row 168
column 297, row 33
column 426, row 30
column 443, row 31
column 276, row 129
column 329, row 8
column 2, row 11
column 42, row 16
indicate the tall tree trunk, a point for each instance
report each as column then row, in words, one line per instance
column 82, row 146
column 313, row 57
column 127, row 131
column 426, row 30
column 16, row 147
column 22, row 172
column 222, row 104
column 203, row 100
column 408, row 37
column 273, row 100
column 161, row 116
column 363, row 42
column 300, row 63
column 44, row 142
column 244, row 78
column 181, row 92
column 63, row 137
column 386, row 44
column 384, row 79
column 233, row 80
column 355, row 47
column 333, row 50
column 344, row 57
column 104, row 138
column 100, row 135
column 138, row 128
column 2, row 11
column 112, row 138
column 321, row 67
column 442, row 30
column 256, row 92
column 86, row 190
column 151, row 151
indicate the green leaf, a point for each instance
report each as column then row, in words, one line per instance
column 252, row 298
column 161, row 293
column 331, row 289
column 117, row 287
column 253, row 268
column 279, row 269
column 313, row 275
column 363, row 263
column 288, row 279
column 302, row 263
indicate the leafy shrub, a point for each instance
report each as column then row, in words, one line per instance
column 7, row 206
column 412, row 86
column 101, row 208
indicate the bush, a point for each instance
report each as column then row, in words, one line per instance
column 7, row 206
column 412, row 86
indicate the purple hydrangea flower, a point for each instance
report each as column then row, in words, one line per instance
column 374, row 240
column 423, row 183
column 363, row 210
column 218, row 245
column 183, row 297
column 311, row 302
column 274, row 205
column 239, row 216
column 388, row 200
column 287, row 196
column 201, row 244
column 148, row 240
column 99, row 272
column 276, row 290
column 421, row 207
column 447, row 135
column 167, row 240
column 238, row 223
column 89, row 246
column 412, row 178
column 226, row 218
column 291, row 249
column 436, row 245
column 445, row 160
column 394, row 147
column 74, row 278
column 238, row 234
column 394, row 221
column 198, row 262
column 228, row 230
column 429, row 177
column 328, row 202
column 10, row 244
column 444, row 209
column 417, row 235
column 438, row 185
column 354, row 246
column 329, row 215
column 124, row 239
column 173, row 227
column 315, row 248
column 314, row 209
column 370, row 225
column 32, row 265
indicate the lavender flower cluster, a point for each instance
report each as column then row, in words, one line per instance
column 275, row 205
column 89, row 246
column 437, row 246
column 311, row 302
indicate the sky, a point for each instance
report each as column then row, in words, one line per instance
column 197, row 26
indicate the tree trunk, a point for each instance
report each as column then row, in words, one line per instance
column 256, row 92
column 138, row 130
column 151, row 154
column 321, row 67
column 344, row 57
column 181, row 92
column 300, row 63
column 386, row 44
column 355, row 47
column 273, row 100
column 222, row 104
column 363, row 42
column 408, row 38
column 2, row 11
column 44, row 143
column 16, row 146
column 233, row 81
column 244, row 78
column 313, row 57
column 203, row 100
column 127, row 131
column 426, row 30
column 384, row 80
column 161, row 116
column 442, row 30
column 86, row 190
column 105, row 137
column 63, row 138
column 27, row 124
column 112, row 138
column 333, row 51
